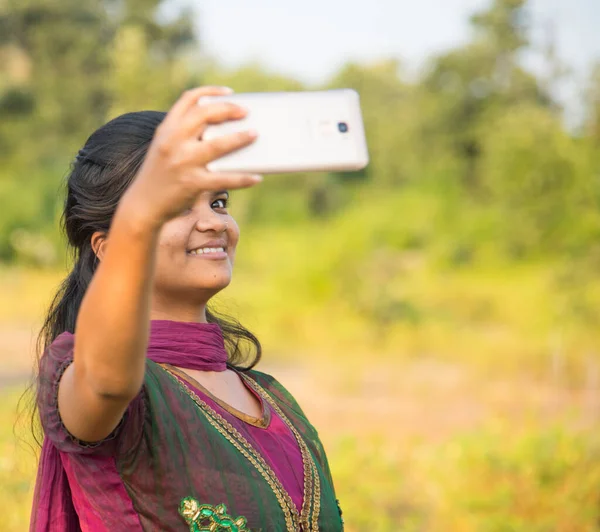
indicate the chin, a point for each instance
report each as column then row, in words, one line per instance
column 214, row 283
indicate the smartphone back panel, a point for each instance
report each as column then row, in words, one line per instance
column 297, row 132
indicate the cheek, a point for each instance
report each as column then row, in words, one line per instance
column 171, row 244
column 233, row 236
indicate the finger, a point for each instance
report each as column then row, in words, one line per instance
column 209, row 150
column 226, row 180
column 195, row 121
column 189, row 99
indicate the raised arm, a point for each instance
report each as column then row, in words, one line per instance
column 112, row 328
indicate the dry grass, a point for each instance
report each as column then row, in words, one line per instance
column 472, row 418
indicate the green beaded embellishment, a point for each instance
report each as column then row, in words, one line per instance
column 206, row 517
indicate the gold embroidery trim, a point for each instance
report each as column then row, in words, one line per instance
column 310, row 469
column 311, row 499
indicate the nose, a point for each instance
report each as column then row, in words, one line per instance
column 212, row 221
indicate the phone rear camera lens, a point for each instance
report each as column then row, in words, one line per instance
column 342, row 127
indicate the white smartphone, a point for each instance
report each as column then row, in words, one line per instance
column 297, row 132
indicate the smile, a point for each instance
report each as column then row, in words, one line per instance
column 206, row 251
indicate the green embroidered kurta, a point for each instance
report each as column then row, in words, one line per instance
column 178, row 462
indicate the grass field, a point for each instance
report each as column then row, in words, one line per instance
column 476, row 408
column 427, row 447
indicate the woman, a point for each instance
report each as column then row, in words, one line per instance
column 153, row 418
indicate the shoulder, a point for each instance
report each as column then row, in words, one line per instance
column 275, row 388
column 264, row 379
column 61, row 348
column 53, row 362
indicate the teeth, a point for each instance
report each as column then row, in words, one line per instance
column 202, row 251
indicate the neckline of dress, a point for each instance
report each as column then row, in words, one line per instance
column 262, row 422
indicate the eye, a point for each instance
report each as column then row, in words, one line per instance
column 220, row 203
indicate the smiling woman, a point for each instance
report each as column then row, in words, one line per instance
column 152, row 416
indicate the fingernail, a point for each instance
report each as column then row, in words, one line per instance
column 227, row 90
column 257, row 178
column 252, row 133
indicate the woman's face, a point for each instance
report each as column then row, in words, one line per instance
column 195, row 253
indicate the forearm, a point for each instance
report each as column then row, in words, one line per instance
column 112, row 328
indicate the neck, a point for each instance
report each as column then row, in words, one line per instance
column 196, row 315
column 184, row 305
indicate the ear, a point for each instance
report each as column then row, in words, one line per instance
column 99, row 241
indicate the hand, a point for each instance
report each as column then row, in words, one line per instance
column 174, row 171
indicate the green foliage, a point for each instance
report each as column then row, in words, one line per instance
column 477, row 129
column 592, row 124
column 470, row 165
column 18, row 462
column 471, row 85
column 534, row 175
column 545, row 479
column 538, row 481
column 504, row 25
column 65, row 68
column 382, row 95
column 375, row 487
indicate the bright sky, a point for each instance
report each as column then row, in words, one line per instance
column 310, row 39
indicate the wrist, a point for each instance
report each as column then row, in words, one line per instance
column 134, row 215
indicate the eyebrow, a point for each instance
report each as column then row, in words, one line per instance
column 221, row 192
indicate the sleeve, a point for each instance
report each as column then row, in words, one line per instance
column 55, row 360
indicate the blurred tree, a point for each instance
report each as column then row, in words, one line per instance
column 533, row 173
column 65, row 67
column 69, row 47
column 166, row 36
column 53, row 92
column 251, row 77
column 147, row 50
column 471, row 84
column 592, row 124
column 64, row 45
column 477, row 135
column 390, row 118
